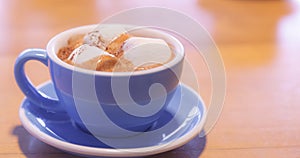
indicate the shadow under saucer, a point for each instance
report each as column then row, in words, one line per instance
column 180, row 123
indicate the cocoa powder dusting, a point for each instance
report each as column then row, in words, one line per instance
column 115, row 47
column 73, row 42
column 105, row 62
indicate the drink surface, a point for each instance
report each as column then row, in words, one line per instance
column 116, row 51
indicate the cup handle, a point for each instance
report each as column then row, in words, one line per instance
column 37, row 98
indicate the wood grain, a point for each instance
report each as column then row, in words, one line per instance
column 259, row 43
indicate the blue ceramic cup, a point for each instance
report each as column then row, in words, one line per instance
column 108, row 104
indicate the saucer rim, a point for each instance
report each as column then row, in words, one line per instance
column 97, row 151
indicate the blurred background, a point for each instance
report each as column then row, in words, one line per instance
column 259, row 41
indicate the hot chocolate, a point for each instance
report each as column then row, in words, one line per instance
column 114, row 49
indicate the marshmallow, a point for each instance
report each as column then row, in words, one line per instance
column 146, row 51
column 85, row 53
column 104, row 35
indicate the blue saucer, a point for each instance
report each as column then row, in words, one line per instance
column 181, row 122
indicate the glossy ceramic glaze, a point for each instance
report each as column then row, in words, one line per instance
column 83, row 94
column 184, row 119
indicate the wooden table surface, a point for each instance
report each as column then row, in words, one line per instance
column 258, row 40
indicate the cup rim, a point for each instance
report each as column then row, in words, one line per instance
column 51, row 52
